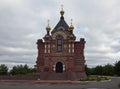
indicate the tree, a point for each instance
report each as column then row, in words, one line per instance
column 25, row 69
column 3, row 69
column 89, row 71
column 22, row 69
column 117, row 68
column 108, row 70
column 98, row 70
column 32, row 70
column 14, row 70
column 19, row 69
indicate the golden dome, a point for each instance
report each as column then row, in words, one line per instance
column 62, row 11
column 71, row 26
column 48, row 27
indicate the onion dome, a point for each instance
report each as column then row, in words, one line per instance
column 71, row 27
column 48, row 27
column 62, row 11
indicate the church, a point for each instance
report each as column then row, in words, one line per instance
column 60, row 56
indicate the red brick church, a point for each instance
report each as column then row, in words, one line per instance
column 60, row 56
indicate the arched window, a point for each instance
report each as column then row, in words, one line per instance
column 59, row 44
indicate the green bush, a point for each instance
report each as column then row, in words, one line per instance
column 107, row 78
column 99, row 78
column 92, row 78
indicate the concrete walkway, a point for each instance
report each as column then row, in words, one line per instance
column 59, row 84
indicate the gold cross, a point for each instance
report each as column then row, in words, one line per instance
column 71, row 21
column 62, row 7
column 48, row 22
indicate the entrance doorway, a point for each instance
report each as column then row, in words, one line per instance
column 59, row 67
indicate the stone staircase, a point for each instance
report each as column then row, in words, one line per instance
column 53, row 76
column 60, row 76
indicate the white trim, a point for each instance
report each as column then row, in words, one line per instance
column 72, row 50
column 69, row 50
column 45, row 46
column 69, row 45
column 45, row 51
column 48, row 50
column 73, row 45
column 48, row 45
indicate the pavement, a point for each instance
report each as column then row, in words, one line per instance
column 114, row 83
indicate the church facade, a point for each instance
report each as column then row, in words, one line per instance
column 60, row 56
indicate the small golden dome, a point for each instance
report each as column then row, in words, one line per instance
column 71, row 26
column 62, row 11
column 48, row 27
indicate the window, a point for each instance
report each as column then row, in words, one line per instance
column 71, row 48
column 47, row 48
column 59, row 44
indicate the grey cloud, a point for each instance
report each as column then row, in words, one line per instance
column 115, row 45
column 22, row 22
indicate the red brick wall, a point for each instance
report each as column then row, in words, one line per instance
column 72, row 61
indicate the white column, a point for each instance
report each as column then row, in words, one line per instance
column 45, row 51
column 63, row 67
column 45, row 48
column 48, row 48
column 73, row 48
column 53, row 67
column 48, row 45
column 69, row 48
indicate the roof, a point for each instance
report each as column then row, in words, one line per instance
column 61, row 24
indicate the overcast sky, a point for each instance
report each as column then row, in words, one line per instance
column 22, row 22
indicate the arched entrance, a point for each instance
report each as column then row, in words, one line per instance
column 59, row 67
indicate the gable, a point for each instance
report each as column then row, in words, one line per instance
column 55, row 34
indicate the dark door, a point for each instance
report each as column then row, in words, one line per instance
column 59, row 67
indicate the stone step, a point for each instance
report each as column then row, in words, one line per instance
column 60, row 76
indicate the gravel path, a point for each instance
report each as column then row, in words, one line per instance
column 113, row 84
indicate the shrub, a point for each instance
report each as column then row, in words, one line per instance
column 107, row 78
